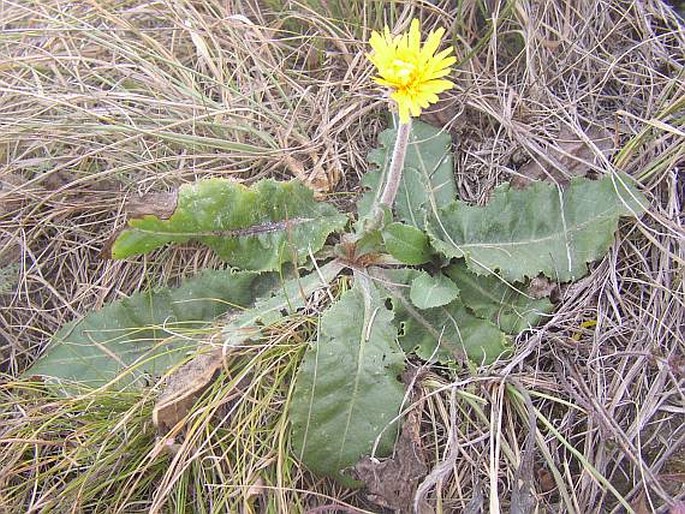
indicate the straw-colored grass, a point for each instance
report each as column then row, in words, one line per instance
column 101, row 101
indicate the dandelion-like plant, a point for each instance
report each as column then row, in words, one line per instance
column 415, row 76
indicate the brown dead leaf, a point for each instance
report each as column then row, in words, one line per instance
column 163, row 205
column 313, row 176
column 296, row 167
column 677, row 365
column 540, row 287
column 55, row 180
column 392, row 482
column 307, row 164
column 257, row 488
column 641, row 506
column 545, row 479
column 184, row 387
column 106, row 250
column 568, row 156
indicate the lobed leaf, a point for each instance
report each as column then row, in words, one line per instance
column 444, row 334
column 428, row 177
column 347, row 392
column 143, row 335
column 540, row 229
column 256, row 228
column 491, row 297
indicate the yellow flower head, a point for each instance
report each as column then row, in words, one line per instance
column 414, row 74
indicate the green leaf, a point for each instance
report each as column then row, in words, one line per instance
column 428, row 291
column 492, row 298
column 540, row 229
column 444, row 334
column 347, row 392
column 291, row 296
column 144, row 334
column 257, row 228
column 368, row 242
column 406, row 243
column 428, row 177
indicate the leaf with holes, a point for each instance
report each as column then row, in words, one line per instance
column 444, row 334
column 347, row 393
column 256, row 228
column 490, row 297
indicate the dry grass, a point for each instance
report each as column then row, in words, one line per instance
column 102, row 101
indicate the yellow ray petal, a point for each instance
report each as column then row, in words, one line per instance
column 413, row 73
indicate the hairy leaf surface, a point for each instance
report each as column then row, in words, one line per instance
column 540, row 229
column 491, row 297
column 143, row 334
column 347, row 392
column 257, row 228
column 427, row 180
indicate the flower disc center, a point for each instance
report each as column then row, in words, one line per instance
column 404, row 71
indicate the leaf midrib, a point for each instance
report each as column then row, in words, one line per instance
column 363, row 288
column 577, row 227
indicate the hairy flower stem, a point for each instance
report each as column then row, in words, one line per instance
column 391, row 185
column 392, row 181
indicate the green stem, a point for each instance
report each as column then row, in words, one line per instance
column 392, row 181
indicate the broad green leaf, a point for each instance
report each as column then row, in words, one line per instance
column 540, row 229
column 144, row 334
column 491, row 297
column 406, row 243
column 443, row 334
column 347, row 391
column 427, row 179
column 288, row 298
column 257, row 228
column 428, row 291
